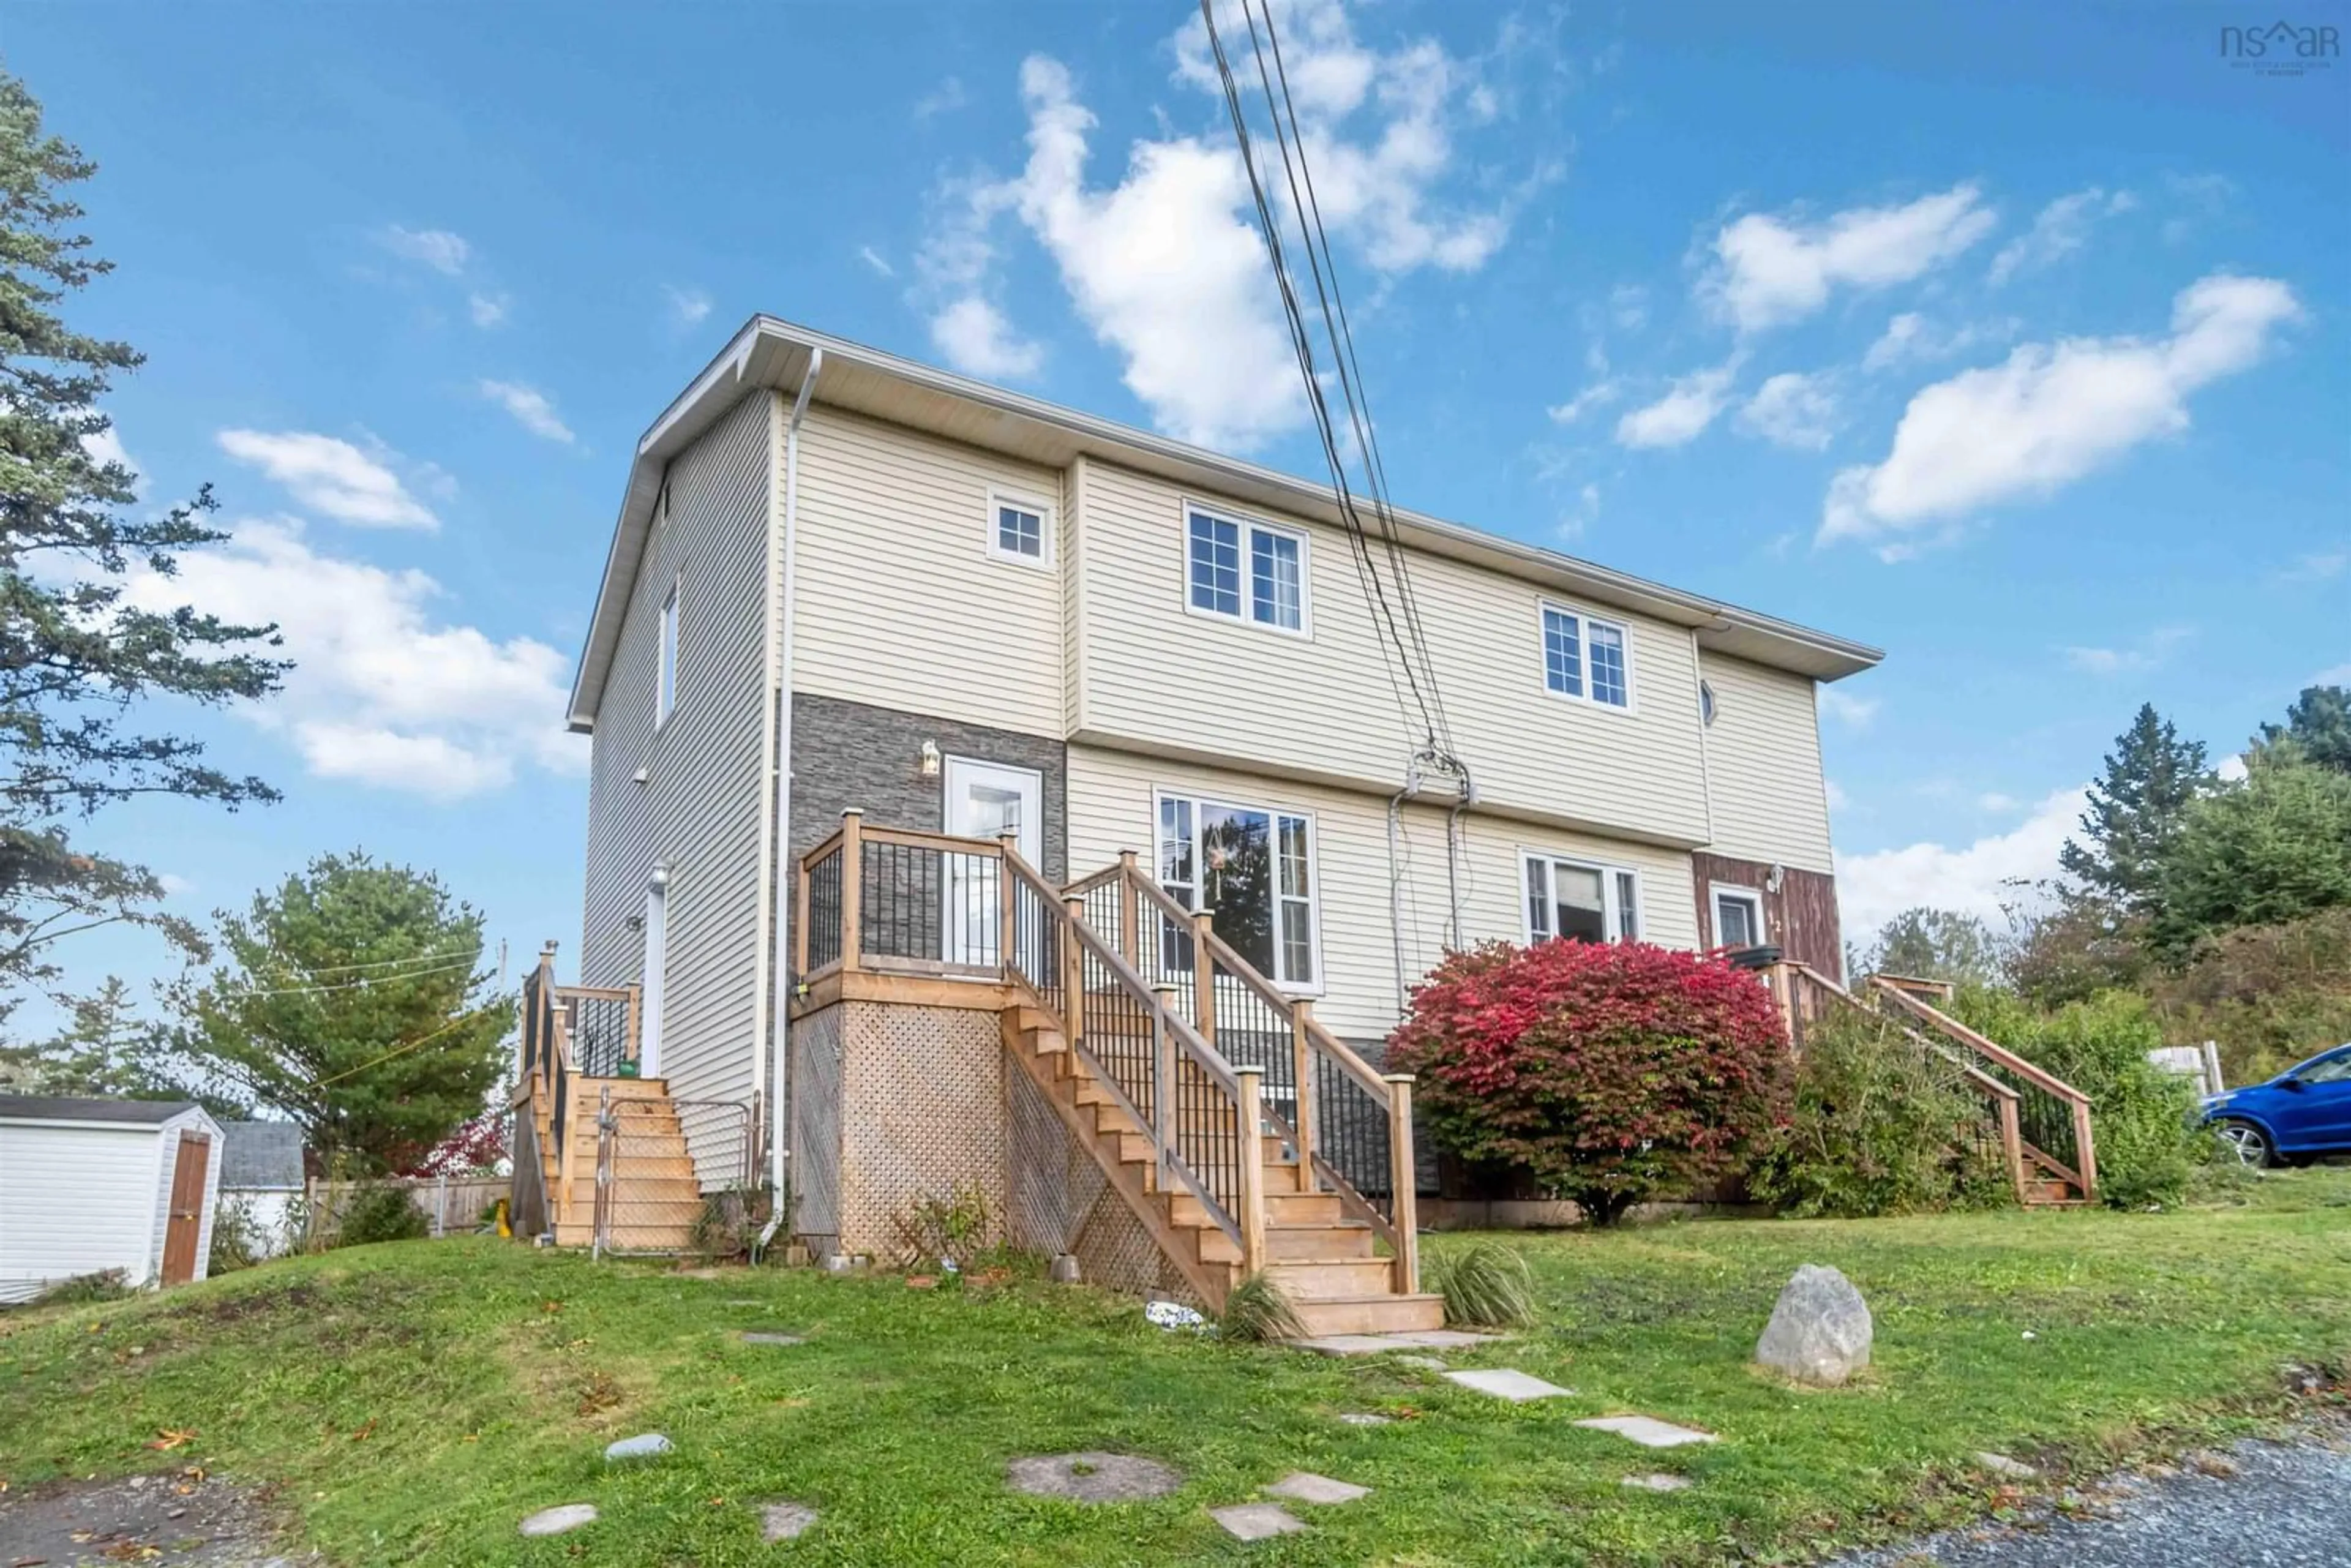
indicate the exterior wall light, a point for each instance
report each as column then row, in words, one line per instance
column 930, row 765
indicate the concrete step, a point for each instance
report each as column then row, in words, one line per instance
column 1341, row 1278
column 1370, row 1314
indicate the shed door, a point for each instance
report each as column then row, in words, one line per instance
column 187, row 1222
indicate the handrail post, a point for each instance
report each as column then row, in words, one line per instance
column 1251, row 1114
column 636, row 1010
column 1008, row 920
column 1163, row 1092
column 2087, row 1157
column 546, row 1018
column 1403, row 1182
column 1130, row 924
column 1301, row 1052
column 800, row 919
column 1073, row 971
column 853, row 913
column 1203, row 976
column 2012, row 1145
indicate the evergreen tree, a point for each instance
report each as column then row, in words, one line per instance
column 2320, row 723
column 106, row 1050
column 2273, row 848
column 74, row 654
column 1935, row 944
column 2151, row 776
column 354, row 1002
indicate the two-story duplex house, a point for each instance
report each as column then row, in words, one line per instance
column 844, row 581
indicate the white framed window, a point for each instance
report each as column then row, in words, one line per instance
column 1579, row 901
column 1706, row 706
column 1252, row 573
column 665, row 679
column 1254, row 868
column 1738, row 916
column 1586, row 657
column 1020, row 529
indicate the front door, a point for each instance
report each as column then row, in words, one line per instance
column 186, row 1227
column 985, row 799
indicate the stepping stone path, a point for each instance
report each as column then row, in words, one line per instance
column 1649, row 1431
column 649, row 1446
column 1366, row 1418
column 1504, row 1383
column 555, row 1521
column 1304, row 1486
column 1257, row 1521
column 1657, row 1482
column 785, row 1521
column 2001, row 1465
column 1093, row 1478
column 762, row 1337
column 1427, row 1363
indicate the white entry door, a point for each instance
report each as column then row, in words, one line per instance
column 985, row 799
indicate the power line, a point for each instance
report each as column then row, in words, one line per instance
column 467, row 954
column 361, row 984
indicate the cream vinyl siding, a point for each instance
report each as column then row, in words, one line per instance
column 901, row 604
column 699, row 810
column 1319, row 705
column 1110, row 809
column 1763, row 759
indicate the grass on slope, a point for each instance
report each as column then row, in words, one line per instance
column 411, row 1402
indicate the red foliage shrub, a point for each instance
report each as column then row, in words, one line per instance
column 478, row 1146
column 1605, row 1073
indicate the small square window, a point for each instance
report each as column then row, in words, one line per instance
column 1585, row 658
column 1021, row 530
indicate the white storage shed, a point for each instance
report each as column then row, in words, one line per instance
column 87, row 1185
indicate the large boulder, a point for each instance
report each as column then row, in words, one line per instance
column 1820, row 1331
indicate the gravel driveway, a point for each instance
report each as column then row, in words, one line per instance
column 2287, row 1505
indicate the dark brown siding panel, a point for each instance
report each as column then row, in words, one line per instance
column 1802, row 917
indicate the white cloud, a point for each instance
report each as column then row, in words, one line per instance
column 530, row 408
column 1792, row 409
column 1838, row 800
column 1599, row 394
column 1993, row 800
column 1166, row 266
column 2318, row 565
column 977, row 340
column 1973, row 879
column 2144, row 654
column 1854, row 713
column 1680, row 416
column 439, row 249
column 876, row 260
column 329, row 475
column 1910, row 338
column 382, row 692
column 2061, row 228
column 2052, row 412
column 1628, row 307
column 1770, row 271
column 688, row 306
column 2340, row 675
column 949, row 95
column 1580, row 515
column 487, row 309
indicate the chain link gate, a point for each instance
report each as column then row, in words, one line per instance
column 662, row 1164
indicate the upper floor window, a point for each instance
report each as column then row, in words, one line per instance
column 1246, row 571
column 1021, row 530
column 1570, row 901
column 1586, row 658
column 666, row 684
column 1254, row 869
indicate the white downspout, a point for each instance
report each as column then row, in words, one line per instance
column 779, row 1026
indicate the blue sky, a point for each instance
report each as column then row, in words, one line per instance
column 2010, row 338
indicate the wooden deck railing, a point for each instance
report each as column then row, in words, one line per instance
column 900, row 901
column 568, row 1032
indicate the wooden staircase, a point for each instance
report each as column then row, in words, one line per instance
column 2042, row 1122
column 1223, row 1185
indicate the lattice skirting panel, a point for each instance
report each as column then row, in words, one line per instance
column 1060, row 1201
column 816, row 1072
column 921, row 1115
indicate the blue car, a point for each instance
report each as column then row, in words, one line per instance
column 2304, row 1112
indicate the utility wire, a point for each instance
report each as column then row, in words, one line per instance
column 387, row 1056
column 381, row 963
column 361, row 984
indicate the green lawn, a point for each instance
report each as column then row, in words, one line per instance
column 412, row 1402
